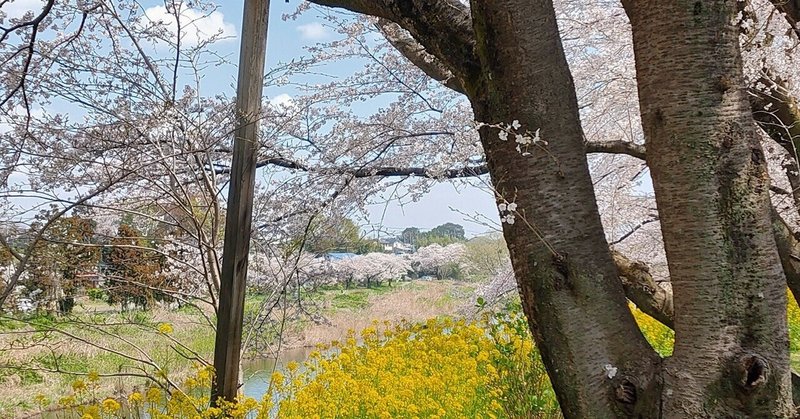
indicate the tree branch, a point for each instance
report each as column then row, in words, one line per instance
column 29, row 47
column 403, row 42
column 611, row 147
column 642, row 290
column 634, row 229
column 383, row 171
column 777, row 113
column 443, row 27
column 617, row 147
column 789, row 251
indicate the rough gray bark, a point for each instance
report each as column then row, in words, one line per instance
column 567, row 279
column 709, row 174
column 507, row 58
column 642, row 290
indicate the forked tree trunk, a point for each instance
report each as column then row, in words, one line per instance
column 731, row 356
column 731, row 359
column 576, row 307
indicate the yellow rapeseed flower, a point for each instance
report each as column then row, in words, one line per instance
column 41, row 400
column 135, row 398
column 292, row 366
column 110, row 405
column 165, row 328
column 93, row 377
column 153, row 395
column 78, row 386
column 67, row 401
column 442, row 368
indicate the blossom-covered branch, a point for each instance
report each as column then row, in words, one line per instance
column 790, row 9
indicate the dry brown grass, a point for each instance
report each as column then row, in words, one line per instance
column 411, row 301
column 417, row 301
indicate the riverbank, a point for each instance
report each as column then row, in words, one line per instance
column 46, row 355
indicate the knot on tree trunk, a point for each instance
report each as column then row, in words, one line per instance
column 625, row 392
column 561, row 266
column 754, row 371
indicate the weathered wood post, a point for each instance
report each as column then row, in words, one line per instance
column 238, row 219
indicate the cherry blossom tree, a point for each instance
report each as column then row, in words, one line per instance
column 547, row 84
column 372, row 268
column 439, row 261
column 477, row 52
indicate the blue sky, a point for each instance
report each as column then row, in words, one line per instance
column 446, row 202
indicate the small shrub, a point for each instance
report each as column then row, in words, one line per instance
column 96, row 294
column 65, row 305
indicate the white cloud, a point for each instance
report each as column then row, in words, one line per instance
column 197, row 26
column 282, row 100
column 313, row 31
column 17, row 8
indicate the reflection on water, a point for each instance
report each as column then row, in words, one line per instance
column 258, row 371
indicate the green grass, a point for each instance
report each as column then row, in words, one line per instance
column 47, row 346
column 795, row 361
column 26, row 377
column 353, row 298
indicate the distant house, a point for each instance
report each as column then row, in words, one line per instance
column 338, row 255
column 394, row 245
column 91, row 279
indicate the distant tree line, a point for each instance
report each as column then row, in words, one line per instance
column 343, row 235
column 444, row 234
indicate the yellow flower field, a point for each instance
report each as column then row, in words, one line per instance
column 442, row 368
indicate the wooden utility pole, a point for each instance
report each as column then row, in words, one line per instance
column 238, row 220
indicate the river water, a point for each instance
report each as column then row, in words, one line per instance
column 257, row 372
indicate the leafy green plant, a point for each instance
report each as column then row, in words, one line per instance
column 96, row 294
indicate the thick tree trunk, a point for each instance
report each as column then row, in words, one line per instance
column 640, row 288
column 571, row 294
column 731, row 359
column 731, row 354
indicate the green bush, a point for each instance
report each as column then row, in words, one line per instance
column 96, row 294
